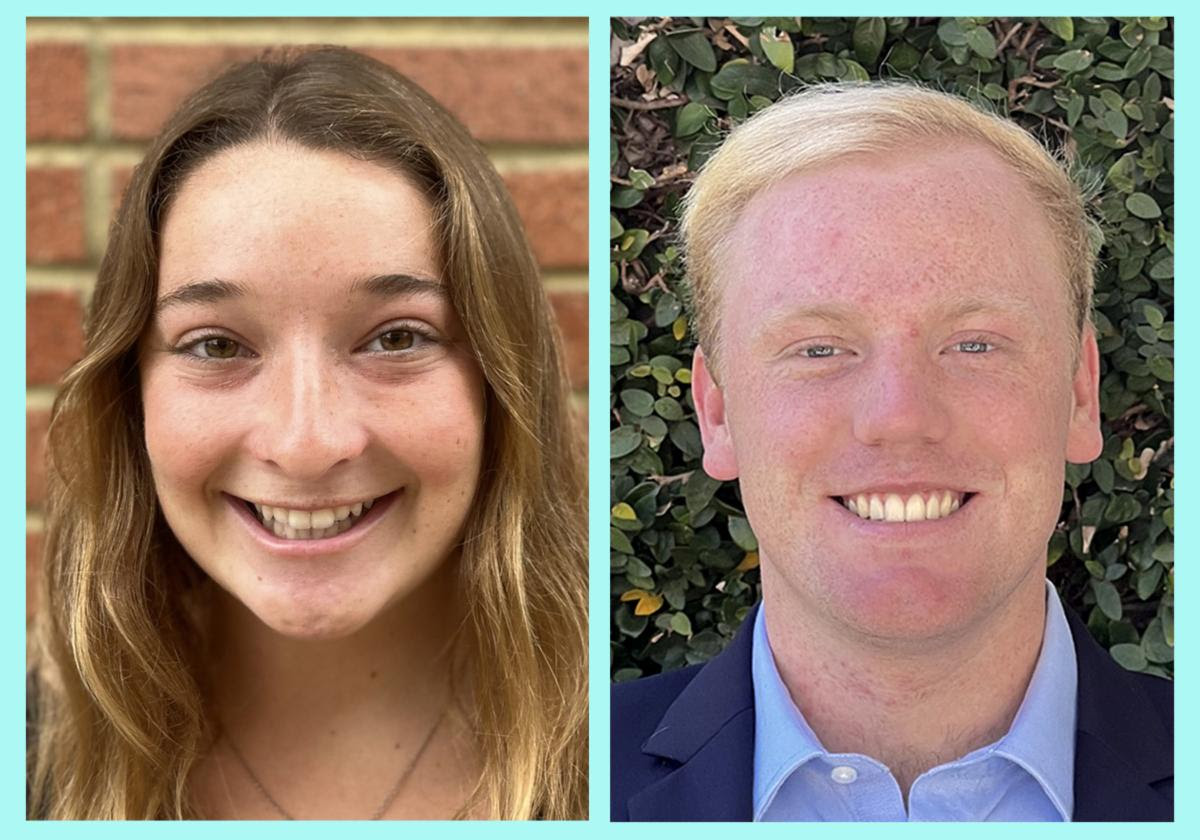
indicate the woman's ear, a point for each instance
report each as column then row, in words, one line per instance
column 720, row 460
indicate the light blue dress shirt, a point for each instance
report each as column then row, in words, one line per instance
column 1027, row 775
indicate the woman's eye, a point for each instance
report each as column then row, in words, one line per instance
column 398, row 340
column 213, row 347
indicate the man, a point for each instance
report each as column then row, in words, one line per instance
column 892, row 292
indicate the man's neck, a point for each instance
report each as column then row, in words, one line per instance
column 911, row 707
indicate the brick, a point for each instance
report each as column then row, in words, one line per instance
column 571, row 311
column 147, row 82
column 53, row 334
column 33, row 569
column 501, row 95
column 554, row 209
column 504, row 95
column 37, row 421
column 55, row 92
column 54, row 215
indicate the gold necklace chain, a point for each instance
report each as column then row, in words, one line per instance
column 383, row 806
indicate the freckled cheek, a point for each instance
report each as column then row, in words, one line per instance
column 437, row 432
column 782, row 428
column 186, row 440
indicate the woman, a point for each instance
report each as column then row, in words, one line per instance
column 315, row 537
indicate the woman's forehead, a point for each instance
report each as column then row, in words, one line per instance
column 282, row 210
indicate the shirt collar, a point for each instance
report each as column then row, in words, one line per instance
column 1041, row 739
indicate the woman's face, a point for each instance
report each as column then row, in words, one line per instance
column 314, row 414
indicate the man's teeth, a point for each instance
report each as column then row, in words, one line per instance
column 310, row 524
column 892, row 507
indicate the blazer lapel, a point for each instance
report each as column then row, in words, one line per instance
column 1122, row 748
column 706, row 742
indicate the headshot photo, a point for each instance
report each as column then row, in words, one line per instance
column 892, row 512
column 306, row 407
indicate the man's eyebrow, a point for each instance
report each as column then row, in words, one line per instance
column 398, row 285
column 201, row 291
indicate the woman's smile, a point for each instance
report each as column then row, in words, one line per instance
column 318, row 526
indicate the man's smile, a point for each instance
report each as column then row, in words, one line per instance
column 904, row 506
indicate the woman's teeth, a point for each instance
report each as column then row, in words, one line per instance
column 310, row 524
column 893, row 507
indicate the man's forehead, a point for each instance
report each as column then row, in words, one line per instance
column 953, row 219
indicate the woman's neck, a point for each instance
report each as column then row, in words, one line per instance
column 329, row 725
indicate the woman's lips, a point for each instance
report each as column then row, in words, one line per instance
column 308, row 544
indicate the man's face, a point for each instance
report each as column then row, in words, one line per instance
column 896, row 326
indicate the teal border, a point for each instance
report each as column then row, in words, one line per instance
column 12, row 292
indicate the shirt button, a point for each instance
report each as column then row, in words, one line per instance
column 843, row 774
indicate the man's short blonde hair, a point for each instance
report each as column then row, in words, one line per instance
column 826, row 123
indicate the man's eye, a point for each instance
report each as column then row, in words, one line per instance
column 818, row 351
column 973, row 346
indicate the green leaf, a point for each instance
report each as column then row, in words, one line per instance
column 686, row 436
column 1116, row 123
column 691, row 118
column 625, row 197
column 1154, row 316
column 1073, row 61
column 1107, row 599
column 666, row 310
column 698, row 490
column 868, row 38
column 638, row 401
column 1123, row 507
column 623, row 440
column 778, row 50
column 739, row 76
column 618, row 541
column 1063, row 27
column 1143, row 206
column 1138, row 61
column 982, row 42
column 1102, row 471
column 1162, row 368
column 951, row 33
column 1130, row 657
column 640, row 179
column 630, row 624
column 741, row 534
column 668, row 409
column 681, row 624
column 695, row 49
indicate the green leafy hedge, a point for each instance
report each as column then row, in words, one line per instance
column 684, row 561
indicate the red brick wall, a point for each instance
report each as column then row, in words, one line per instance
column 98, row 89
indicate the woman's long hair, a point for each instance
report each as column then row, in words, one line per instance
column 120, row 717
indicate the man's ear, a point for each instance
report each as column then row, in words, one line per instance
column 1084, row 439
column 720, row 461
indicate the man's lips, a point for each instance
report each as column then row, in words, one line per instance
column 905, row 506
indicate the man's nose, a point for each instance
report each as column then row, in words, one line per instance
column 309, row 420
column 904, row 399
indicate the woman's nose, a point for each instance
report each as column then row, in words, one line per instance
column 310, row 421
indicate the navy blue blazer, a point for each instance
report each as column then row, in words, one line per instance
column 683, row 741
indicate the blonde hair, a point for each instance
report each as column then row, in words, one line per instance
column 119, row 714
column 825, row 123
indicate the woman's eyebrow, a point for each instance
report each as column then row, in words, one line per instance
column 398, row 285
column 200, row 291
